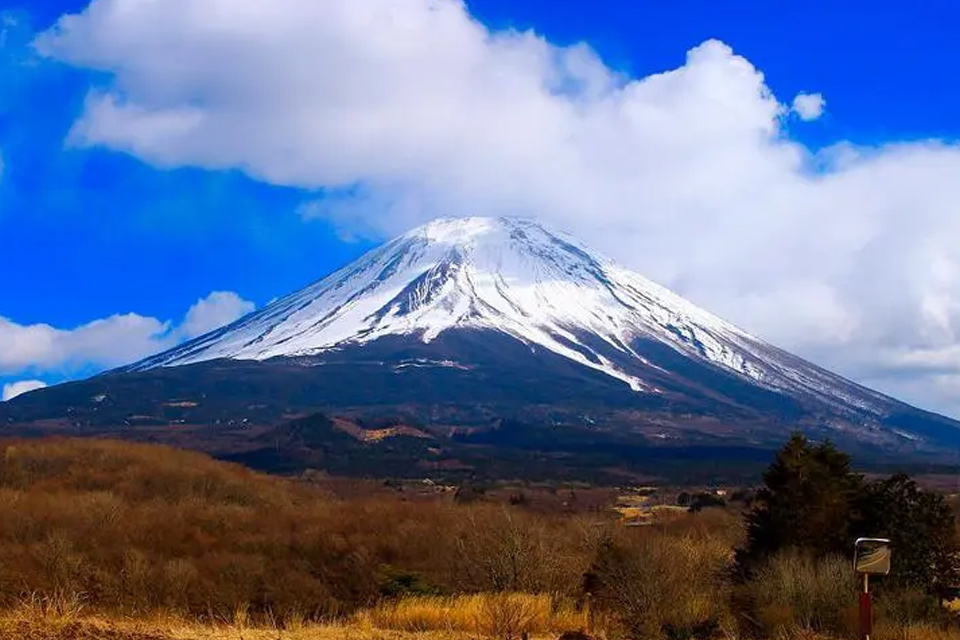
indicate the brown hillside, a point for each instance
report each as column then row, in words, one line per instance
column 132, row 529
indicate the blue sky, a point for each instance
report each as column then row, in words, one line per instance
column 108, row 220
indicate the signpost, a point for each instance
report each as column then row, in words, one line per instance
column 871, row 557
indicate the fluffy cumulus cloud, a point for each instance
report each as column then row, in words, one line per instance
column 106, row 342
column 809, row 106
column 389, row 112
column 109, row 342
column 14, row 389
column 214, row 311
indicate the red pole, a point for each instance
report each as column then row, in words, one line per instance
column 866, row 610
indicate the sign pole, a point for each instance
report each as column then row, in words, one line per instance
column 866, row 609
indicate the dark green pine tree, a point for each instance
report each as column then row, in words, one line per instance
column 808, row 502
column 921, row 529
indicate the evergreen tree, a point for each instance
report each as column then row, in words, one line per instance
column 921, row 529
column 808, row 502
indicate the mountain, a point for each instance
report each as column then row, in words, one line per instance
column 496, row 333
column 518, row 279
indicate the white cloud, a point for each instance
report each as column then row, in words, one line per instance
column 402, row 110
column 112, row 341
column 809, row 106
column 14, row 389
column 216, row 310
column 106, row 342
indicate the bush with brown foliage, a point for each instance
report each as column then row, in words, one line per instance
column 653, row 584
column 507, row 549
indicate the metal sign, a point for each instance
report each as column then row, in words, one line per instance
column 872, row 556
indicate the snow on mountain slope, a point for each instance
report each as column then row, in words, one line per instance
column 516, row 277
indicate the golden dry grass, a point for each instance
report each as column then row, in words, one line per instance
column 17, row 626
column 437, row 618
column 101, row 629
column 495, row 615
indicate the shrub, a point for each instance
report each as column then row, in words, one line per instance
column 504, row 549
column 794, row 590
column 397, row 582
column 898, row 611
column 701, row 501
column 654, row 585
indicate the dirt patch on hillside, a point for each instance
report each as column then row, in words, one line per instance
column 376, row 435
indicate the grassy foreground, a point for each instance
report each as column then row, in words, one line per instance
column 479, row 616
column 137, row 542
column 90, row 629
column 440, row 618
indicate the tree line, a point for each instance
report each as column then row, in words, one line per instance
column 812, row 500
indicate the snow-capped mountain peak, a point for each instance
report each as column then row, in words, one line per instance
column 518, row 278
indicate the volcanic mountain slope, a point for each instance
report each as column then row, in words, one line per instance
column 474, row 320
column 516, row 278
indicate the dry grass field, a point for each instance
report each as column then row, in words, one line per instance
column 507, row 615
column 138, row 542
column 421, row 620
column 96, row 629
